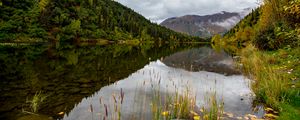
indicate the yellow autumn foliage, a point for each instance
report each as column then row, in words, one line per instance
column 292, row 11
column 43, row 4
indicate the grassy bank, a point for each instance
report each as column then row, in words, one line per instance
column 268, row 42
column 276, row 76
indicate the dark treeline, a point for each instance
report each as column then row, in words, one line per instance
column 77, row 20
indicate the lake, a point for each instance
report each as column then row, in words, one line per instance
column 146, row 81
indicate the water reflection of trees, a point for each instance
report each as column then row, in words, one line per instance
column 67, row 74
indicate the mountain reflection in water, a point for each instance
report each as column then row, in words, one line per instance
column 155, row 78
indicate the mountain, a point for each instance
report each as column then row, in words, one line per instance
column 205, row 26
column 77, row 21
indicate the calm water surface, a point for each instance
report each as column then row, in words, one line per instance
column 79, row 82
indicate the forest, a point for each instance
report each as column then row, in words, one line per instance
column 272, row 26
column 77, row 21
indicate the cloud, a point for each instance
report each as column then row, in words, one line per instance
column 159, row 10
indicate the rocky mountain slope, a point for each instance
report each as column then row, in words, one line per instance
column 207, row 25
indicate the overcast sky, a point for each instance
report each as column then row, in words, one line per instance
column 159, row 10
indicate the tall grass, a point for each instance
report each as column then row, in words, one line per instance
column 270, row 86
column 183, row 106
column 173, row 106
column 115, row 113
column 36, row 101
column 215, row 110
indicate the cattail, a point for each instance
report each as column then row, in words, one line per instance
column 106, row 111
column 122, row 96
column 91, row 108
column 159, row 82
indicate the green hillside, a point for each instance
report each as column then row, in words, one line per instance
column 268, row 44
column 77, row 20
column 270, row 27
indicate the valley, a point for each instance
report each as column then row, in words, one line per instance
column 149, row 60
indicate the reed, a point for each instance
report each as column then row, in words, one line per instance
column 215, row 109
column 269, row 84
column 173, row 106
column 183, row 106
column 36, row 101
